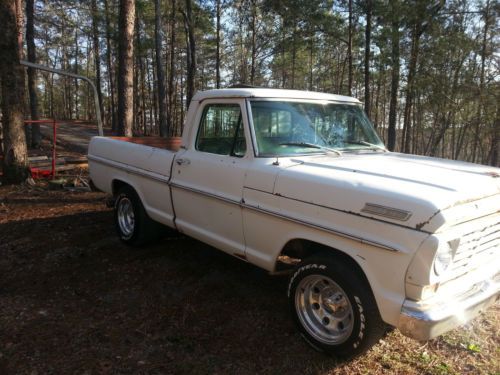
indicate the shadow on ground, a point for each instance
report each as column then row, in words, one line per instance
column 74, row 299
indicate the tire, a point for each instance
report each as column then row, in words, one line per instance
column 334, row 308
column 132, row 223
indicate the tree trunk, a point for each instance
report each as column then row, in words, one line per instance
column 136, row 71
column 88, row 105
column 20, row 26
column 30, row 42
column 419, row 26
column 242, row 68
column 393, row 106
column 67, row 102
column 77, row 113
column 495, row 143
column 49, row 77
column 294, row 57
column 412, row 69
column 440, row 137
column 340, row 77
column 97, row 54
column 367, row 55
column 181, row 107
column 349, row 52
column 111, row 70
column 377, row 96
column 151, row 78
column 152, row 95
column 311, row 52
column 172, row 72
column 217, row 41
column 126, row 68
column 142, row 103
column 162, row 96
column 253, row 26
column 191, row 52
column 477, row 138
column 15, row 162
column 283, row 55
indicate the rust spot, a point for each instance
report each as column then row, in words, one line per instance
column 422, row 224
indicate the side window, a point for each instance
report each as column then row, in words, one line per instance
column 221, row 130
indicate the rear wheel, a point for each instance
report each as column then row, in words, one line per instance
column 133, row 225
column 333, row 307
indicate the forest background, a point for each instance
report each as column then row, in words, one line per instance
column 427, row 72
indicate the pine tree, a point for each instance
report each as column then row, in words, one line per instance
column 15, row 162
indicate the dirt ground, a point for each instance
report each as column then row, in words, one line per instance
column 75, row 300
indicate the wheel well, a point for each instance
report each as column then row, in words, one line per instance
column 117, row 185
column 298, row 249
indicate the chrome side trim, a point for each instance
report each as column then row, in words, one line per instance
column 240, row 203
column 344, row 211
column 244, row 205
column 130, row 169
column 325, row 229
column 205, row 193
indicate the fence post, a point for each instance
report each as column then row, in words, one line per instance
column 54, row 142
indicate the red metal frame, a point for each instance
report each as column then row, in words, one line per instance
column 35, row 172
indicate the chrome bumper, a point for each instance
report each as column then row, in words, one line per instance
column 426, row 322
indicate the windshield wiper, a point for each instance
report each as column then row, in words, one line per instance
column 310, row 145
column 364, row 143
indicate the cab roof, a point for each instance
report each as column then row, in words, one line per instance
column 271, row 93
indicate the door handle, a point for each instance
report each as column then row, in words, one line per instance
column 183, row 161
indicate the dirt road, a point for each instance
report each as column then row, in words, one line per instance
column 75, row 133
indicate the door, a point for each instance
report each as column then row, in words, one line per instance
column 207, row 182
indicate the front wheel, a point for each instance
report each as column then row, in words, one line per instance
column 333, row 307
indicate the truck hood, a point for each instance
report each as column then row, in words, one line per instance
column 418, row 192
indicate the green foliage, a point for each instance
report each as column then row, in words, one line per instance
column 474, row 348
column 301, row 45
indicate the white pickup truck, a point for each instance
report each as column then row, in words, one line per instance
column 300, row 181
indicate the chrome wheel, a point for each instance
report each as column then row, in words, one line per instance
column 324, row 309
column 125, row 216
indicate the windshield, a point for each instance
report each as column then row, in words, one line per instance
column 291, row 128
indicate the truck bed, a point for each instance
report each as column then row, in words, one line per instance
column 171, row 143
column 143, row 163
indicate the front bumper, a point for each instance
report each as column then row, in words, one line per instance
column 424, row 322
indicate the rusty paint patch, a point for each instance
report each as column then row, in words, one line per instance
column 421, row 225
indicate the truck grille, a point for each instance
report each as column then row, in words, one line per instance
column 476, row 248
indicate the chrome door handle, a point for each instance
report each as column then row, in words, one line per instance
column 183, row 161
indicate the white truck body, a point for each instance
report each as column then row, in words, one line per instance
column 389, row 212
